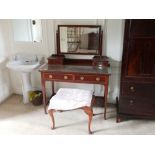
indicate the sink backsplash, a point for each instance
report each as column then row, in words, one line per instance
column 26, row 59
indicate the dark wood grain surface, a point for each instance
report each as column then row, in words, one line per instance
column 137, row 91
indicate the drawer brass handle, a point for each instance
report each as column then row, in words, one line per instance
column 81, row 78
column 132, row 89
column 65, row 77
column 97, row 79
column 50, row 76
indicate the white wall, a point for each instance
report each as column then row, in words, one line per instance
column 112, row 47
column 22, row 26
column 5, row 86
column 114, row 32
column 114, row 38
column 5, row 40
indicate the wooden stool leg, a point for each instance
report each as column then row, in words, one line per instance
column 51, row 111
column 89, row 112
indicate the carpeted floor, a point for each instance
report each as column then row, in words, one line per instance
column 17, row 118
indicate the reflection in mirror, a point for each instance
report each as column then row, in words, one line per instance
column 74, row 39
column 27, row 30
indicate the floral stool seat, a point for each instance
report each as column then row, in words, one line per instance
column 70, row 99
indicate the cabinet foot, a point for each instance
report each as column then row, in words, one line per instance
column 118, row 119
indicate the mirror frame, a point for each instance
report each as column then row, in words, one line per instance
column 85, row 26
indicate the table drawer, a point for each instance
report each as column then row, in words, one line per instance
column 90, row 78
column 51, row 76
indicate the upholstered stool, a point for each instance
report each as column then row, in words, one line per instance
column 69, row 99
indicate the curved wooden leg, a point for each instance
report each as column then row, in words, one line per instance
column 51, row 111
column 89, row 112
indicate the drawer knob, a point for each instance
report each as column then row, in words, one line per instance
column 131, row 102
column 50, row 76
column 97, row 79
column 81, row 78
column 132, row 89
column 65, row 77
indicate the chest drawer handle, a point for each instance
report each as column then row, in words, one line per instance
column 132, row 89
column 81, row 78
column 65, row 77
column 131, row 102
column 50, row 76
column 97, row 79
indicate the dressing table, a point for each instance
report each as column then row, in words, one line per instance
column 77, row 40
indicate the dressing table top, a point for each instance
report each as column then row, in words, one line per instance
column 75, row 69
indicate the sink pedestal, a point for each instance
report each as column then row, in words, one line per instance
column 25, row 68
column 26, row 86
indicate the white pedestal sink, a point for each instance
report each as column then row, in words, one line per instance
column 25, row 68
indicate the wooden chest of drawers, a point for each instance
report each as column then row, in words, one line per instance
column 137, row 89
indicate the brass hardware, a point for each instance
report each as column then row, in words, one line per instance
column 81, row 78
column 131, row 102
column 50, row 76
column 132, row 89
column 65, row 77
column 97, row 79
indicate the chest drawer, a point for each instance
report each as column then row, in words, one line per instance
column 90, row 78
column 138, row 89
column 51, row 76
column 137, row 105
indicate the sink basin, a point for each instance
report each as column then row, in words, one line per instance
column 24, row 67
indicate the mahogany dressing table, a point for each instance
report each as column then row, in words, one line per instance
column 61, row 69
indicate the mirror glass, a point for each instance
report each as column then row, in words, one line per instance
column 27, row 30
column 79, row 39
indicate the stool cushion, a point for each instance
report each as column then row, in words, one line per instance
column 69, row 98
